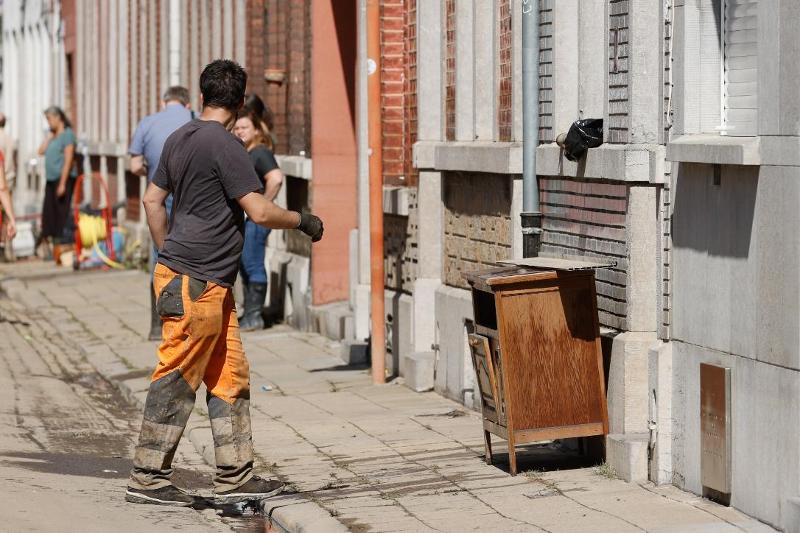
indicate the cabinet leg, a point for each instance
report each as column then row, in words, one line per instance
column 512, row 452
column 512, row 459
column 487, row 444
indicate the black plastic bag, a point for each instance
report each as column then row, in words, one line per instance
column 582, row 135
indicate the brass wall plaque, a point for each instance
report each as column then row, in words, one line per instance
column 715, row 427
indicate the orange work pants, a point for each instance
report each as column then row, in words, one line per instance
column 201, row 344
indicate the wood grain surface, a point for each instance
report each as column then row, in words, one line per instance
column 551, row 359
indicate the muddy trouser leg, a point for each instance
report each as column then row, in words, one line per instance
column 192, row 312
column 228, row 382
column 169, row 403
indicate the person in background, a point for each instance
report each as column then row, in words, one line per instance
column 8, row 147
column 253, row 103
column 6, row 205
column 258, row 143
column 60, row 173
column 145, row 150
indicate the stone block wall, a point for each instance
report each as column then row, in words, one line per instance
column 587, row 218
column 618, row 121
column 477, row 223
column 400, row 238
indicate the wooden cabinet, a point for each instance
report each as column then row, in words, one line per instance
column 536, row 353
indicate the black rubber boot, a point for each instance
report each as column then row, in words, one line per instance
column 155, row 319
column 254, row 296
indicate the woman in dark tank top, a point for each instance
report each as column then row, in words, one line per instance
column 253, row 132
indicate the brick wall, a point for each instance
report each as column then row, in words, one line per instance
column 587, row 218
column 410, row 92
column 546, row 71
column 401, row 248
column 505, row 43
column 287, row 48
column 477, row 223
column 256, row 44
column 298, row 104
column 618, row 72
column 275, row 94
column 450, row 71
column 393, row 90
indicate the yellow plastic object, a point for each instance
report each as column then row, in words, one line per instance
column 93, row 230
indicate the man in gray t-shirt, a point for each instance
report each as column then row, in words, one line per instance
column 213, row 184
column 148, row 142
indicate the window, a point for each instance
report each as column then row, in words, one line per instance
column 740, row 67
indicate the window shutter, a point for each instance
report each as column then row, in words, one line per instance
column 741, row 67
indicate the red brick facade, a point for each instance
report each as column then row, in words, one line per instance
column 284, row 58
column 410, row 104
column 393, row 90
column 505, row 67
column 255, row 44
column 450, row 70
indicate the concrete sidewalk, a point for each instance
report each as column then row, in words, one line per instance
column 363, row 457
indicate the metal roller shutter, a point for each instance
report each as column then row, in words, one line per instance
column 741, row 67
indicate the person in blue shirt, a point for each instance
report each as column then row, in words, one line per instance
column 58, row 150
column 145, row 150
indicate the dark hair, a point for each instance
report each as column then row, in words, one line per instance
column 2, row 120
column 261, row 127
column 222, row 84
column 176, row 93
column 252, row 102
column 57, row 111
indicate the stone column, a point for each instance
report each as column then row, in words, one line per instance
column 565, row 64
column 418, row 367
column 485, row 78
column 645, row 67
column 465, row 71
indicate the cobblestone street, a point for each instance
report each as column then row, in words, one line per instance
column 360, row 457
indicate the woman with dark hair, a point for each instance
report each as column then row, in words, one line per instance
column 254, row 104
column 58, row 150
column 252, row 131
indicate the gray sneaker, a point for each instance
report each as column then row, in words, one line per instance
column 169, row 495
column 256, row 488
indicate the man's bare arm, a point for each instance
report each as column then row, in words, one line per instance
column 155, row 207
column 138, row 166
column 265, row 213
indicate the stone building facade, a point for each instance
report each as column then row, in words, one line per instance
column 692, row 197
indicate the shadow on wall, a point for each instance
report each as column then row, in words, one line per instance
column 714, row 207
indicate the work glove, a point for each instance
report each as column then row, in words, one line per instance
column 311, row 225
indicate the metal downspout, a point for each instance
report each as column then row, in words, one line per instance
column 531, row 213
column 378, row 336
